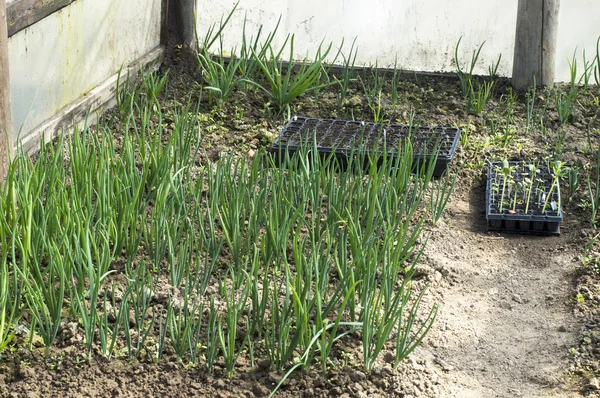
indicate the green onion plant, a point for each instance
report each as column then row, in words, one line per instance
column 152, row 252
column 440, row 194
column 476, row 94
column 530, row 99
column 597, row 66
column 594, row 190
column 287, row 82
column 347, row 74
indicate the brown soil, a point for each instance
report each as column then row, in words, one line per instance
column 510, row 324
column 506, row 323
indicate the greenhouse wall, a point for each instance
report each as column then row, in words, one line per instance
column 420, row 35
column 70, row 52
column 578, row 30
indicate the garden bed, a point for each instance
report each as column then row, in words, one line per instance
column 189, row 181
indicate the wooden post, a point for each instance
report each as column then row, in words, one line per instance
column 551, row 10
column 164, row 22
column 5, row 111
column 185, row 20
column 535, row 43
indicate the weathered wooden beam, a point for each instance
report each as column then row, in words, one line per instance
column 88, row 107
column 5, row 109
column 164, row 22
column 549, row 37
column 185, row 21
column 24, row 13
column 535, row 43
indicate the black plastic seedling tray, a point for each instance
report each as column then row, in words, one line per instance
column 522, row 218
column 345, row 137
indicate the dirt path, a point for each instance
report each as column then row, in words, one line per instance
column 505, row 325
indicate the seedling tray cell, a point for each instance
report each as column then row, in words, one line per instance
column 528, row 205
column 345, row 137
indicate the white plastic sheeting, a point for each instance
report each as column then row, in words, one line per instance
column 421, row 35
column 60, row 58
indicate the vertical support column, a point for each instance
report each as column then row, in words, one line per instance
column 549, row 37
column 185, row 20
column 5, row 110
column 164, row 22
column 535, row 43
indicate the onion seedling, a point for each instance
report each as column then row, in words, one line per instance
column 506, row 173
column 395, row 83
column 347, row 73
column 152, row 85
column 594, row 191
column 126, row 96
column 137, row 311
column 515, row 187
column 212, row 336
column 219, row 74
column 108, row 335
column 248, row 66
column 466, row 77
column 588, row 70
column 564, row 105
column 45, row 293
column 511, row 99
column 480, row 96
column 10, row 288
column 597, row 67
column 228, row 327
column 440, row 196
column 185, row 327
column 557, row 172
column 285, row 84
column 533, row 170
column 573, row 179
column 530, row 97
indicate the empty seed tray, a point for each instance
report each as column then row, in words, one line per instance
column 523, row 197
column 345, row 137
